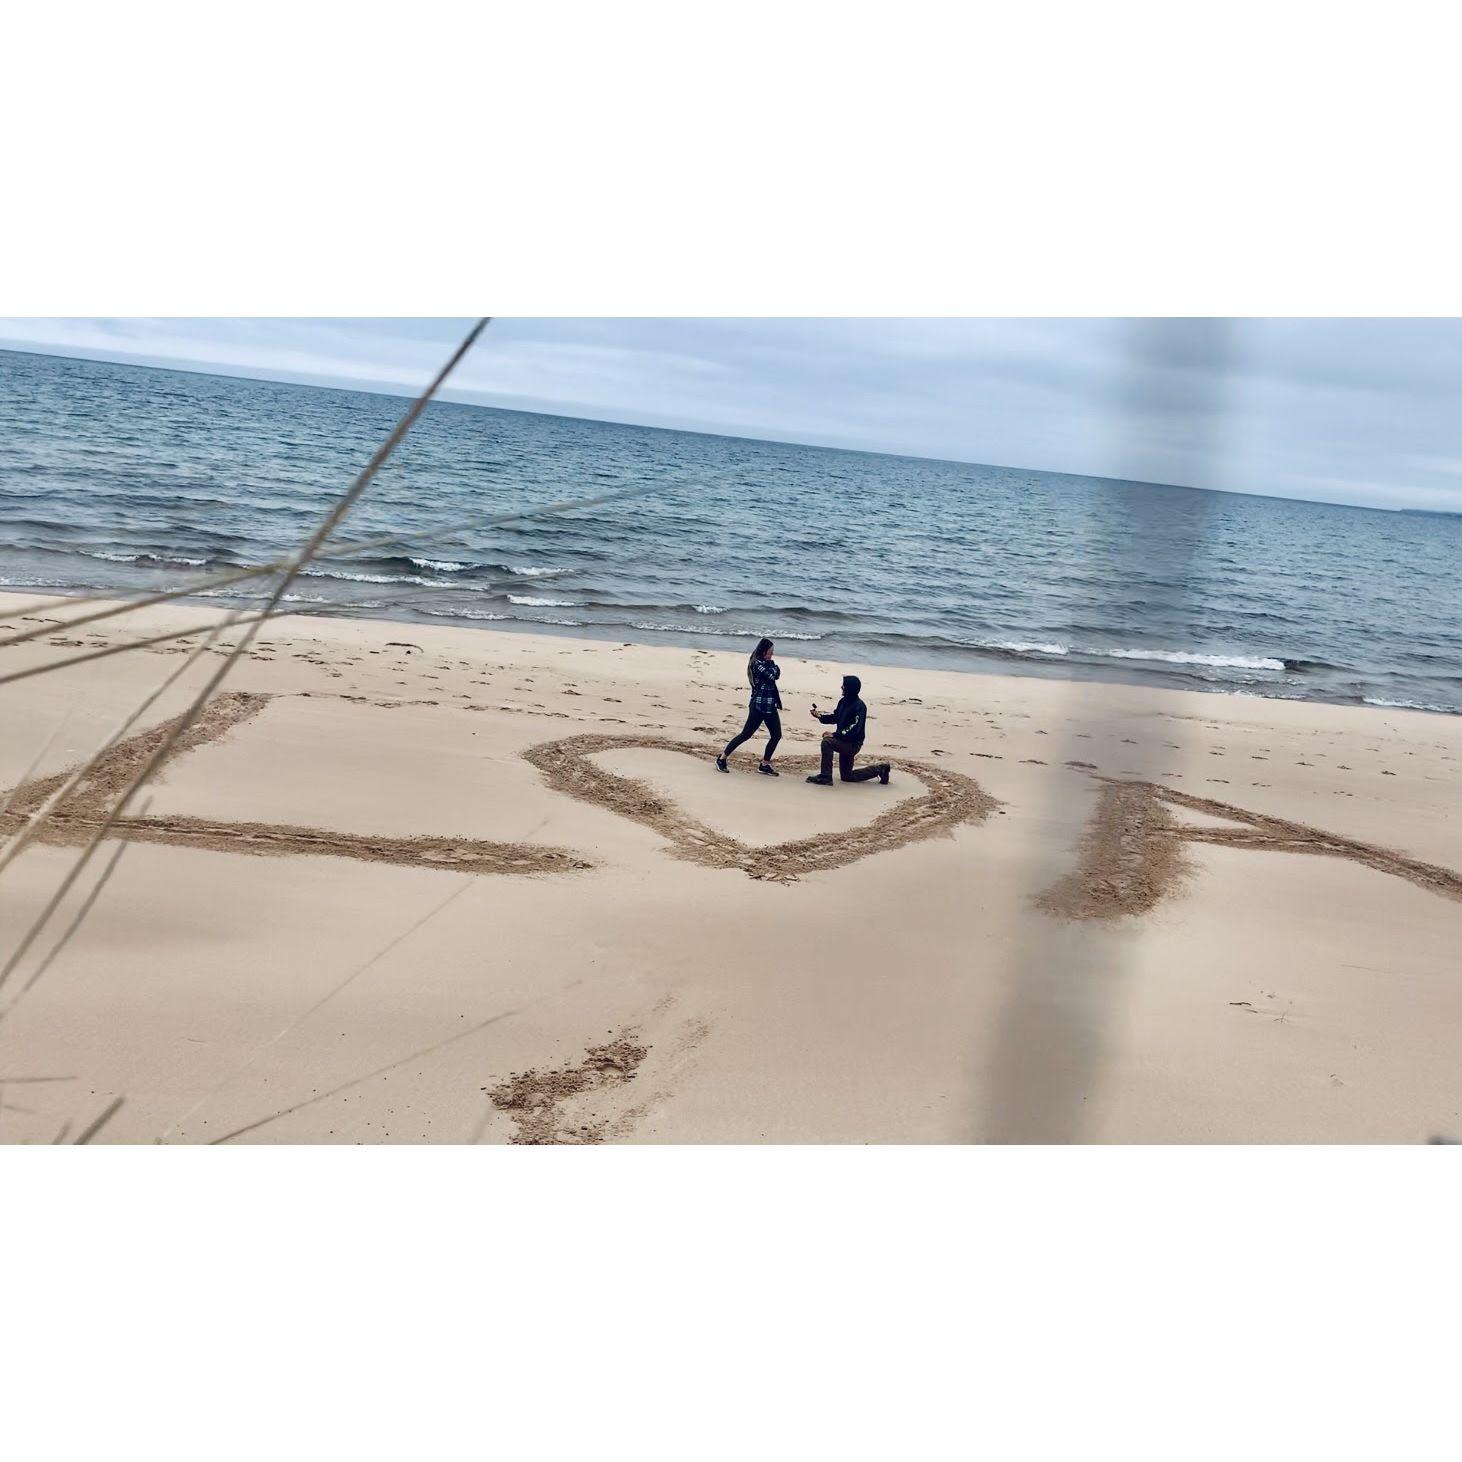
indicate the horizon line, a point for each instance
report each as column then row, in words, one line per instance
column 404, row 393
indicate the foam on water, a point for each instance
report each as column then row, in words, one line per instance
column 1194, row 657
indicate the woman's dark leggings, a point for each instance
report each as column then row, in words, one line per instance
column 754, row 719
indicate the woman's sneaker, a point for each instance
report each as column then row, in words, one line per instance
column 768, row 770
column 721, row 764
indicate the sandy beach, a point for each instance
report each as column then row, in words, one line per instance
column 410, row 884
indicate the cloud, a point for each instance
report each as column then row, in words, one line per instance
column 1355, row 411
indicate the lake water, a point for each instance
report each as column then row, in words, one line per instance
column 118, row 477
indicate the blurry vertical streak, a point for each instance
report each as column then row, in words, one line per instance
column 1067, row 984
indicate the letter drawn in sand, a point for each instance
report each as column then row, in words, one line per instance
column 85, row 808
column 1132, row 855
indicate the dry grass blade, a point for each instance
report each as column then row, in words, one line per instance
column 38, row 818
column 323, row 1096
column 52, row 904
column 299, row 559
column 290, row 564
column 66, row 662
column 81, row 913
column 346, row 550
column 39, row 757
column 91, row 1131
column 304, row 1015
column 36, row 606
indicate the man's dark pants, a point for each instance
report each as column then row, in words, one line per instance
column 846, row 751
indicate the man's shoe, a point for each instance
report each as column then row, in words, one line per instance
column 883, row 771
column 821, row 781
column 768, row 770
column 721, row 764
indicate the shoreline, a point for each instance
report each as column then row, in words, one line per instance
column 1055, row 669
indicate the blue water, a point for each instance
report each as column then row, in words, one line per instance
column 121, row 477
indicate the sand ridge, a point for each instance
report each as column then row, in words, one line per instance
column 1131, row 857
column 535, row 1099
column 75, row 820
column 952, row 798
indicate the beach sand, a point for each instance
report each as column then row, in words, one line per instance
column 411, row 884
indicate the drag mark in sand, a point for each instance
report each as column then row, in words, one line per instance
column 951, row 799
column 1132, row 855
column 535, row 1099
column 75, row 820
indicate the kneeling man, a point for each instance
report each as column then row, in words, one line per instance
column 851, row 721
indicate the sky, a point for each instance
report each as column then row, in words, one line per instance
column 1359, row 411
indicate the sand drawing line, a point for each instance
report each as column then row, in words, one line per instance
column 535, row 1099
column 1132, row 855
column 606, row 1092
column 78, row 816
column 951, row 799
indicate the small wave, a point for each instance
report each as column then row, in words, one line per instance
column 531, row 571
column 147, row 560
column 532, row 603
column 1410, row 705
column 1191, row 657
column 1027, row 647
column 1020, row 648
column 442, row 565
column 493, row 615
column 318, row 573
column 708, row 609
column 698, row 629
column 460, row 613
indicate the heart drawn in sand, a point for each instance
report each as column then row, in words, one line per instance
column 951, row 799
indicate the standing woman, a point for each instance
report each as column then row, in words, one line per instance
column 766, row 704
